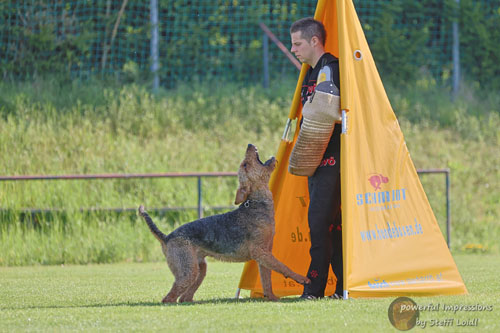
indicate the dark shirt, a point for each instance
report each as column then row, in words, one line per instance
column 309, row 83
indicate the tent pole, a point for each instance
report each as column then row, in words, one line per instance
column 344, row 131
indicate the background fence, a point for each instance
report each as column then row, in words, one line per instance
column 200, row 206
column 221, row 39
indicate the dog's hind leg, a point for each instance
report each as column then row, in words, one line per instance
column 202, row 271
column 183, row 263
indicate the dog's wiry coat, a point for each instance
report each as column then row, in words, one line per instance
column 240, row 235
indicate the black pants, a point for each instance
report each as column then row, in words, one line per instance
column 325, row 221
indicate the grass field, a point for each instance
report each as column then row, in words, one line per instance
column 126, row 297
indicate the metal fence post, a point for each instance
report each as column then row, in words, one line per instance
column 154, row 44
column 200, row 207
column 448, row 208
column 456, row 56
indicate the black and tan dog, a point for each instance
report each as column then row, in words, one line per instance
column 239, row 235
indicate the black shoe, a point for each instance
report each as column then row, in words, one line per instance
column 335, row 296
column 308, row 297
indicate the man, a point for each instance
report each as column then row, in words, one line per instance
column 308, row 40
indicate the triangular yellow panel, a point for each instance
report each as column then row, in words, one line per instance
column 391, row 240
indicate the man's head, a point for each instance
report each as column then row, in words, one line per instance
column 308, row 40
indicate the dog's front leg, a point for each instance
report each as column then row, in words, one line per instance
column 265, row 278
column 267, row 260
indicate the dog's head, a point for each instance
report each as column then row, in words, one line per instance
column 253, row 174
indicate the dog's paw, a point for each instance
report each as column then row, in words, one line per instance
column 303, row 280
column 186, row 299
column 167, row 299
column 141, row 210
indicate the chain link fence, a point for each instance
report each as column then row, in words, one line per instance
column 204, row 39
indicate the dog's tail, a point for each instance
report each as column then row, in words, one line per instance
column 152, row 226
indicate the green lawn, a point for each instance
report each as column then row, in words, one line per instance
column 126, row 297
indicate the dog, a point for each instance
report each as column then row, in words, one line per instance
column 240, row 235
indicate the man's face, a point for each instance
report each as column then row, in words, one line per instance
column 302, row 48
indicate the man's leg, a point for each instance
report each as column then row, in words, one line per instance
column 324, row 193
column 337, row 260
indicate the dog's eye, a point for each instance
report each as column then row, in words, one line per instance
column 245, row 165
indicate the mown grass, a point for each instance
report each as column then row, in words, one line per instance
column 126, row 297
column 53, row 127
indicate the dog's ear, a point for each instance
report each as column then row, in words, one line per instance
column 241, row 195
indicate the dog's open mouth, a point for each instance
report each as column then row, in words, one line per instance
column 267, row 163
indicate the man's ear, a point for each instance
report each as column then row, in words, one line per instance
column 314, row 40
column 241, row 195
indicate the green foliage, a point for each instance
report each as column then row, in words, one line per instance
column 479, row 40
column 400, row 49
column 72, row 237
column 221, row 40
column 55, row 127
column 412, row 39
column 425, row 100
column 41, row 43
